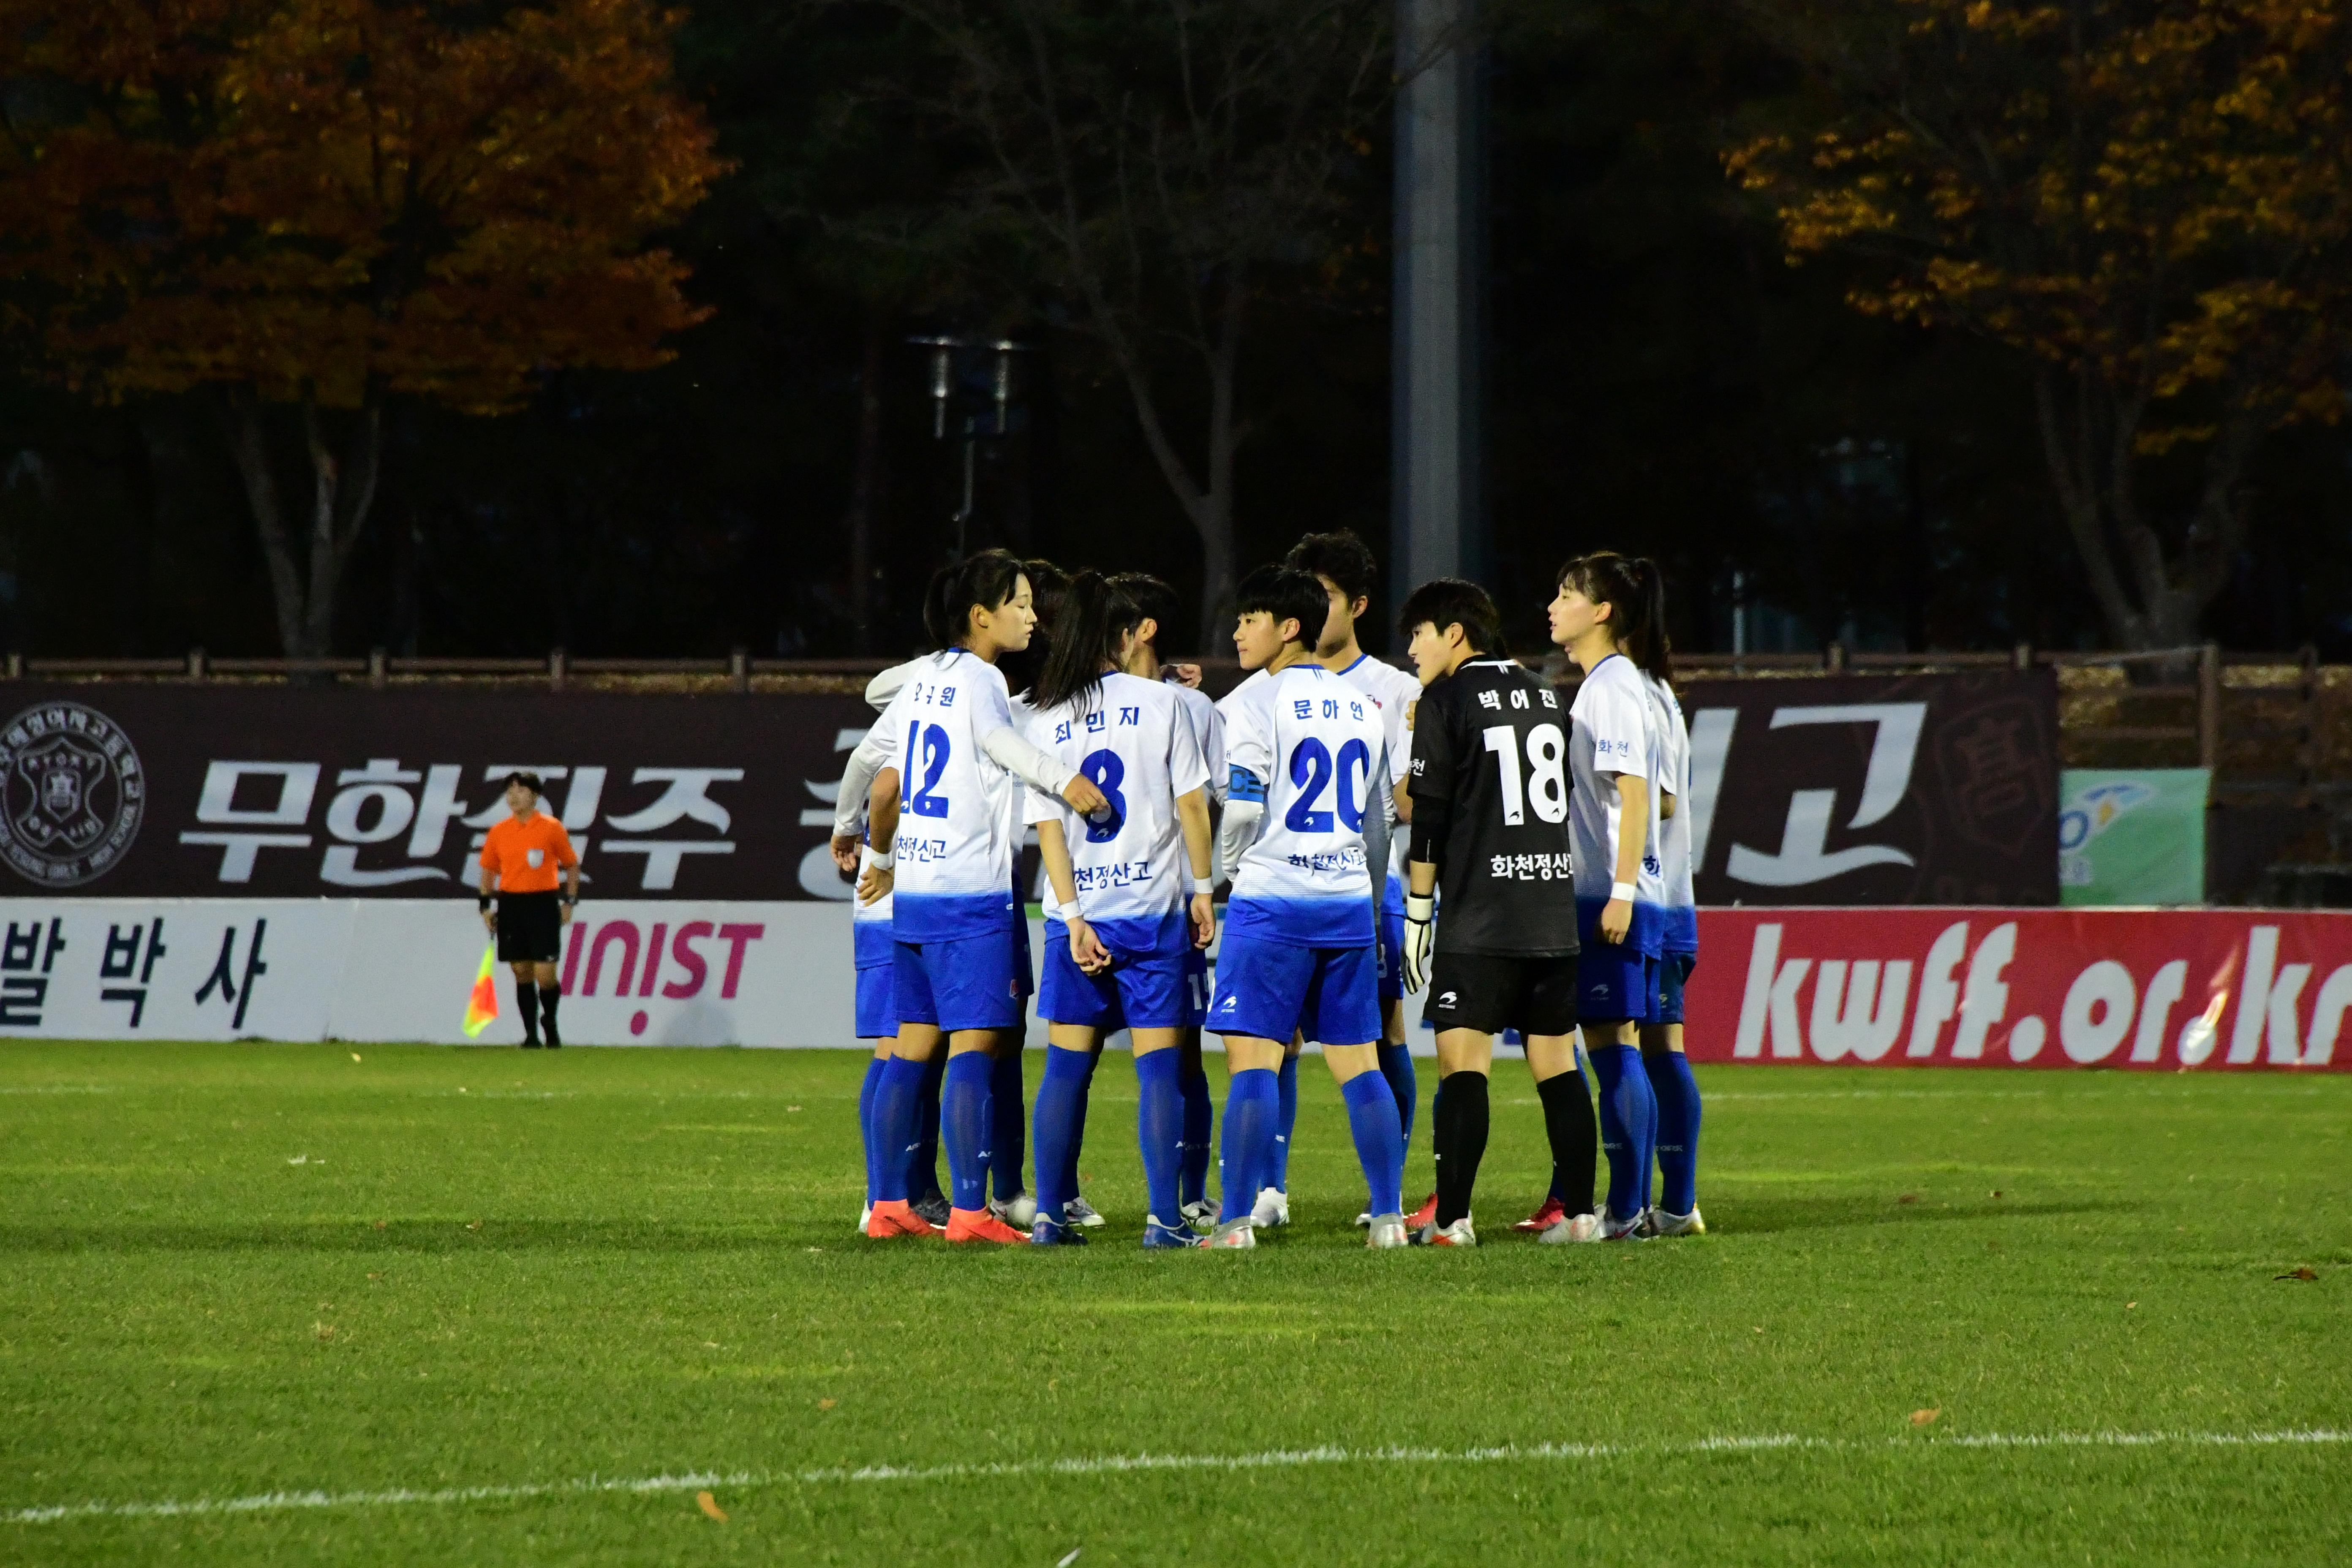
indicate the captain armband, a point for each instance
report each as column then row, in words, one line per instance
column 1244, row 785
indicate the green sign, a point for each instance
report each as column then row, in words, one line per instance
column 2132, row 836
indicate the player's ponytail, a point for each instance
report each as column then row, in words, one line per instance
column 986, row 580
column 1635, row 592
column 1095, row 619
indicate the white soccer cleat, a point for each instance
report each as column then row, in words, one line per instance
column 1575, row 1227
column 1272, row 1208
column 863, row 1215
column 1235, row 1234
column 1364, row 1220
column 1615, row 1229
column 1078, row 1211
column 1458, row 1234
column 1388, row 1230
column 1660, row 1223
column 1200, row 1212
column 1019, row 1211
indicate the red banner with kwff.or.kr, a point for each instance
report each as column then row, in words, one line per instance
column 2160, row 989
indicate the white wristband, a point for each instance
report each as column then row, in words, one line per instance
column 1621, row 891
column 878, row 862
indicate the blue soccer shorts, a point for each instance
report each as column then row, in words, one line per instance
column 877, row 1001
column 1144, row 988
column 1271, row 991
column 974, row 983
column 1391, row 954
column 1673, row 973
column 1616, row 982
column 1196, row 986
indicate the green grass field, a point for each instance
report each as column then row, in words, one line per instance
column 474, row 1306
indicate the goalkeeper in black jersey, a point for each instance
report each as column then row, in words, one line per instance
column 1488, row 790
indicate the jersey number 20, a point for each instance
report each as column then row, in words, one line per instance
column 1546, row 774
column 1311, row 766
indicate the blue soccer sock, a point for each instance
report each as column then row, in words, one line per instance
column 1192, row 1180
column 1629, row 1125
column 1277, row 1171
column 897, row 1126
column 1396, row 1066
column 1007, row 1134
column 1078, row 1137
column 1676, row 1092
column 923, row 1157
column 1160, row 1131
column 873, row 1065
column 1252, row 1111
column 965, row 1121
column 1380, row 1139
column 1061, row 1113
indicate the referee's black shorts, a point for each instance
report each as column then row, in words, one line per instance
column 531, row 928
column 1491, row 992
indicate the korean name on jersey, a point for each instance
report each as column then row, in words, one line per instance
column 1490, row 743
column 1675, row 867
column 1319, row 748
column 1615, row 731
column 1135, row 741
column 958, row 807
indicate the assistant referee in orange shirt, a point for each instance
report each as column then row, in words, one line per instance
column 519, row 858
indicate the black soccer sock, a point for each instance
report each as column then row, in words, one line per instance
column 548, row 997
column 526, row 1006
column 1461, row 1134
column 1575, row 1139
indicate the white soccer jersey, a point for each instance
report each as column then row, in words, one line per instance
column 1396, row 691
column 958, row 822
column 1673, row 833
column 1208, row 734
column 1132, row 738
column 1614, row 730
column 1316, row 747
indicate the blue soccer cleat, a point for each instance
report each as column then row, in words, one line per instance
column 1157, row 1237
column 1043, row 1232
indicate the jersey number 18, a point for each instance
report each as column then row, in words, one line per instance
column 1547, row 774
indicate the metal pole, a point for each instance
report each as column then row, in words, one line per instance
column 1437, row 504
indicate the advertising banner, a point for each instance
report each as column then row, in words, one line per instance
column 170, row 791
column 1930, row 789
column 2158, row 989
column 2132, row 836
column 2153, row 989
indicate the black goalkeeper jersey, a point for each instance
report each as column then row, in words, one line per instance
column 1490, row 740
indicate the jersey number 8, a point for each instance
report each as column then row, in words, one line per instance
column 1547, row 774
column 1107, row 773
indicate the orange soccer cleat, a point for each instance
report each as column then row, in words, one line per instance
column 895, row 1219
column 1424, row 1216
column 1544, row 1219
column 979, row 1225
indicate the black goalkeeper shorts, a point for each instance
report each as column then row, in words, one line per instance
column 531, row 929
column 1491, row 992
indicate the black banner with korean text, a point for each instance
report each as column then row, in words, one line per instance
column 1928, row 789
column 162, row 791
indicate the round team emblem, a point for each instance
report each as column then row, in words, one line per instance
column 72, row 794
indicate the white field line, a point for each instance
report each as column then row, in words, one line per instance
column 1121, row 1464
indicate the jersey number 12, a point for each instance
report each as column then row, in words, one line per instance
column 1546, row 775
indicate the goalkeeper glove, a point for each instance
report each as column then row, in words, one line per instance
column 1420, row 938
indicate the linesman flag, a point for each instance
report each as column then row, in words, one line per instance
column 482, row 1005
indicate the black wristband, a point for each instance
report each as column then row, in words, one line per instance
column 567, row 898
column 482, row 902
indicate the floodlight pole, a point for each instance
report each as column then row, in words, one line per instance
column 975, row 427
column 1437, row 502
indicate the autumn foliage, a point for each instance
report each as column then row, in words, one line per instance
column 2151, row 200
column 330, row 203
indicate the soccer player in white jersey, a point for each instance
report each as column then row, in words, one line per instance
column 1606, row 605
column 1671, row 1083
column 1307, row 808
column 1344, row 565
column 1160, row 608
column 955, row 951
column 1130, row 897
